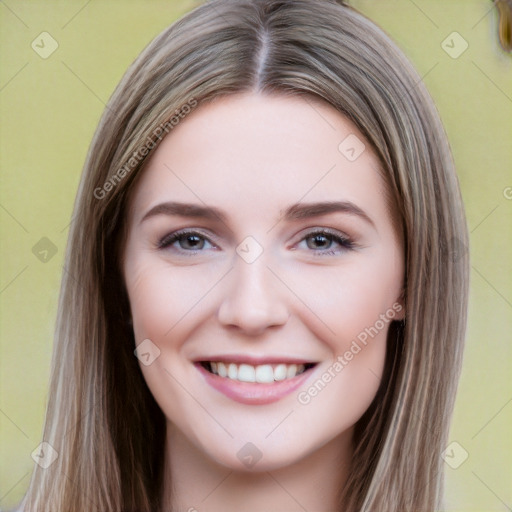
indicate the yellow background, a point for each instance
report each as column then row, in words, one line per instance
column 49, row 110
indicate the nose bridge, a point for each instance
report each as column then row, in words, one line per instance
column 252, row 301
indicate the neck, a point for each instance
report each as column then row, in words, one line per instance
column 193, row 482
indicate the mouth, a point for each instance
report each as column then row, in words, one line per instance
column 262, row 374
column 260, row 383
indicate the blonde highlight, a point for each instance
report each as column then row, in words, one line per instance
column 328, row 52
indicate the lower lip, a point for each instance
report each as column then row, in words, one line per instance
column 253, row 393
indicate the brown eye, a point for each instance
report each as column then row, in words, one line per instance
column 324, row 242
column 191, row 242
column 185, row 241
column 319, row 241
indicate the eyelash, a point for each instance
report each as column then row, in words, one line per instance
column 343, row 241
column 171, row 238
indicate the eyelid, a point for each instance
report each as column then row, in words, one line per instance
column 169, row 238
column 324, row 230
column 344, row 241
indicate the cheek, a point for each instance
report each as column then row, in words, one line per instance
column 164, row 307
column 355, row 302
column 161, row 297
column 356, row 305
column 346, row 385
column 151, row 301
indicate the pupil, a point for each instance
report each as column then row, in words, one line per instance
column 319, row 242
column 192, row 242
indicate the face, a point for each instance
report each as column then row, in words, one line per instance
column 263, row 271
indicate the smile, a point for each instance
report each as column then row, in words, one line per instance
column 254, row 384
column 263, row 374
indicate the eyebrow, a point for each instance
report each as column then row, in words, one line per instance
column 306, row 210
column 295, row 212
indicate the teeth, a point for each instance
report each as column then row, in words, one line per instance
column 291, row 371
column 246, row 373
column 280, row 372
column 221, row 368
column 232, row 371
column 264, row 374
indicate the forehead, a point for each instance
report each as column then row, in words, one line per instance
column 259, row 153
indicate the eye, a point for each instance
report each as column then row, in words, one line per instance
column 324, row 241
column 186, row 241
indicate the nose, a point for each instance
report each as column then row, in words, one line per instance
column 252, row 301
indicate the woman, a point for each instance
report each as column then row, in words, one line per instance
column 270, row 218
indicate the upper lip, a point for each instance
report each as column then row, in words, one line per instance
column 254, row 360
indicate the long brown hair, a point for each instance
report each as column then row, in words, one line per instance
column 101, row 418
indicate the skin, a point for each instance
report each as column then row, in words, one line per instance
column 253, row 156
